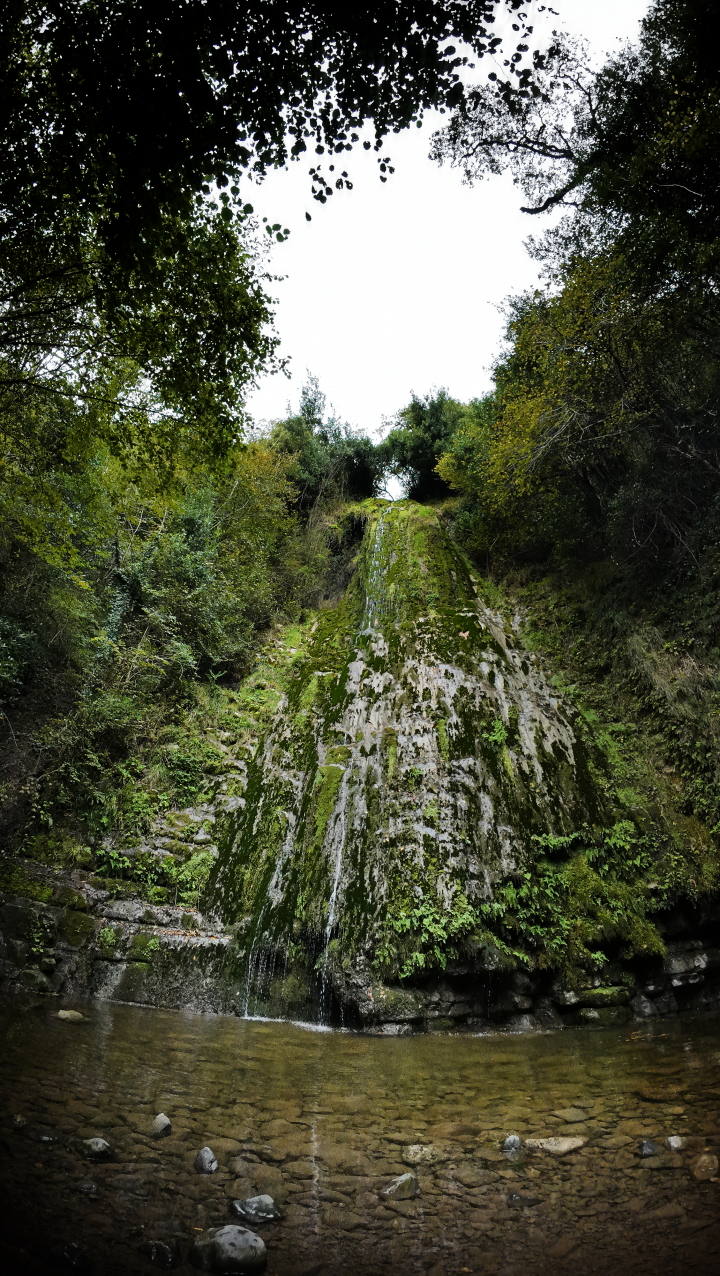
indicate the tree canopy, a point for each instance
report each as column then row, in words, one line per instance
column 130, row 111
column 604, row 429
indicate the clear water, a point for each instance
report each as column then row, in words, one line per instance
column 323, row 1121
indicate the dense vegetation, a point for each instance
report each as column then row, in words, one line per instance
column 144, row 545
column 149, row 540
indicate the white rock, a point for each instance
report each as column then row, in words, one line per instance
column 161, row 1126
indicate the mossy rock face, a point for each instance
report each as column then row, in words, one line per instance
column 67, row 897
column 77, row 928
column 108, row 942
column 143, row 947
column 396, row 1005
column 133, row 984
column 612, row 996
column 19, row 879
column 420, row 783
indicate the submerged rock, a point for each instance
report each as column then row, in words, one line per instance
column 256, row 1209
column 705, row 1167
column 512, row 1143
column 404, row 1188
column 571, row 1116
column 161, row 1126
column 519, row 1201
column 229, row 1249
column 70, row 1016
column 205, row 1161
column 162, row 1254
column 97, row 1149
column 648, row 1148
column 556, row 1144
column 424, row 1154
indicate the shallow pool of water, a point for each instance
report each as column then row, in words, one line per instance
column 324, row 1121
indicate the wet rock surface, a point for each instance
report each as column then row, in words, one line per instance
column 322, row 1124
column 256, row 1209
column 205, row 1161
column 229, row 1249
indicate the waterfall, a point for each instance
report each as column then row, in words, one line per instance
column 416, row 753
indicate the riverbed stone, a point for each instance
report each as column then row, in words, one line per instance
column 256, row 1209
column 426, row 1153
column 571, row 1116
column 403, row 1188
column 557, row 1145
column 512, row 1143
column 205, row 1161
column 229, row 1249
column 161, row 1126
column 70, row 1016
column 97, row 1149
column 705, row 1167
column 162, row 1253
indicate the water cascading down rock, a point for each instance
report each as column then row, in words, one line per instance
column 415, row 756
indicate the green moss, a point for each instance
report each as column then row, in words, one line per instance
column 614, row 996
column 77, row 929
column 143, row 947
column 395, row 1004
column 67, row 897
column 18, row 879
column 431, row 813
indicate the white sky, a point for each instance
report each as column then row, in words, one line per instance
column 397, row 287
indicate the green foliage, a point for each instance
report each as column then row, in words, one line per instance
column 424, row 934
column 192, row 877
column 107, row 941
column 601, row 436
column 131, row 120
column 326, row 460
column 496, row 735
column 414, row 445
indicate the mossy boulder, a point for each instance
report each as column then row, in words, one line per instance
column 68, row 897
column 598, row 997
column 19, row 879
column 77, row 929
column 395, row 1005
